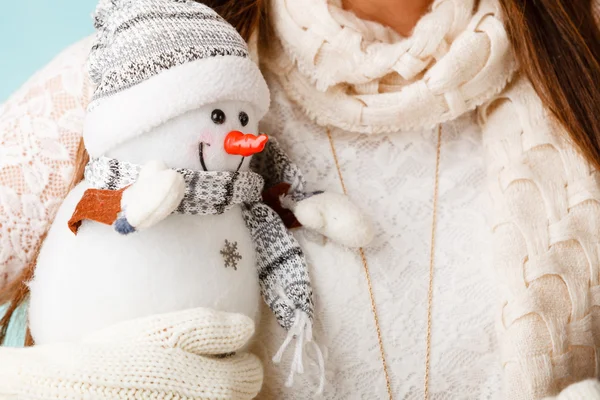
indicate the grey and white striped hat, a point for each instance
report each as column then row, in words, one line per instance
column 154, row 60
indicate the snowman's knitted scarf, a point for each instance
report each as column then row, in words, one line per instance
column 282, row 267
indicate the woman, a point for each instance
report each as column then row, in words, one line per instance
column 417, row 109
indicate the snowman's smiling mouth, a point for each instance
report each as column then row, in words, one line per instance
column 203, row 163
column 201, row 155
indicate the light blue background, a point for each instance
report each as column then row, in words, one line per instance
column 15, row 336
column 32, row 32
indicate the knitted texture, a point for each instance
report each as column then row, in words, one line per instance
column 547, row 221
column 154, row 60
column 282, row 267
column 212, row 192
column 275, row 166
column 388, row 173
column 173, row 356
column 132, row 45
column 453, row 62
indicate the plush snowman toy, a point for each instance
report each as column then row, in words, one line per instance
column 170, row 215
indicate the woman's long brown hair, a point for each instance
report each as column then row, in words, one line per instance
column 557, row 43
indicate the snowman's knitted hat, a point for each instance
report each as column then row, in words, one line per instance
column 154, row 60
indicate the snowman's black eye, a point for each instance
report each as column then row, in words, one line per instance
column 244, row 119
column 218, row 116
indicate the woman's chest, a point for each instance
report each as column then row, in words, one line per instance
column 381, row 295
column 392, row 177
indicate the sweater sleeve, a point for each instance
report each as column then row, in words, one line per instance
column 40, row 129
column 546, row 227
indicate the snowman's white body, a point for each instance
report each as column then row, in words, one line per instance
column 99, row 277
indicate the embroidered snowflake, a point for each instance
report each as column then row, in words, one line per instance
column 230, row 254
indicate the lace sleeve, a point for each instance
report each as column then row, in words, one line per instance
column 546, row 201
column 40, row 128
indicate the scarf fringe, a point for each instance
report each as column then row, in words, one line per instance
column 301, row 332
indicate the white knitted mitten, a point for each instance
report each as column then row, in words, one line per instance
column 335, row 216
column 172, row 356
column 154, row 196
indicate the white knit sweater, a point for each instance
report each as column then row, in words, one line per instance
column 533, row 277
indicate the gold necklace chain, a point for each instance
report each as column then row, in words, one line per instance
column 368, row 276
column 431, row 268
column 432, row 260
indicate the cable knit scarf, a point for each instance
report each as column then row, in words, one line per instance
column 282, row 268
column 363, row 77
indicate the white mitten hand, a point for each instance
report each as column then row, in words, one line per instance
column 334, row 216
column 174, row 356
column 157, row 192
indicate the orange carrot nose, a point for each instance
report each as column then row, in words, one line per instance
column 237, row 143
